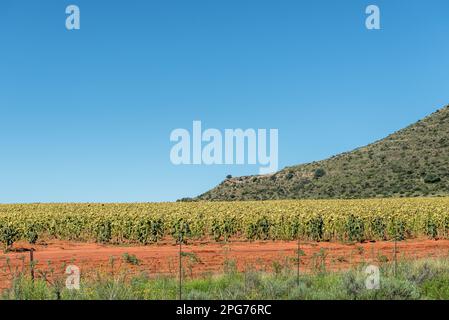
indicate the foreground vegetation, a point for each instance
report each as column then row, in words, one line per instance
column 318, row 220
column 427, row 279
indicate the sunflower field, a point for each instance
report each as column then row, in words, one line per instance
column 146, row 223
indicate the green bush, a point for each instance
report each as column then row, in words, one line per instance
column 378, row 228
column 148, row 230
column 320, row 172
column 355, row 228
column 431, row 178
column 314, row 228
column 260, row 230
column 431, row 228
column 103, row 231
column 8, row 235
column 181, row 231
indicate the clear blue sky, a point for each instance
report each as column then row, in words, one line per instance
column 86, row 115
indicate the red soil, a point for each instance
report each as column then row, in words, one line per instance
column 208, row 257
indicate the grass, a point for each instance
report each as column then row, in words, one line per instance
column 423, row 279
column 131, row 259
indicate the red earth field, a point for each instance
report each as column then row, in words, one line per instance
column 205, row 257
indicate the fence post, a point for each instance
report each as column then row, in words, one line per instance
column 32, row 264
column 298, row 256
column 180, row 267
column 395, row 254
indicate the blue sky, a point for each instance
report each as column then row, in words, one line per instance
column 86, row 115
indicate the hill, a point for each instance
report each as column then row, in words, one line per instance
column 411, row 162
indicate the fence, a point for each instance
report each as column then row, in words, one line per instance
column 73, row 264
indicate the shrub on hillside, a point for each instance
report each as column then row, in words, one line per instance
column 319, row 173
